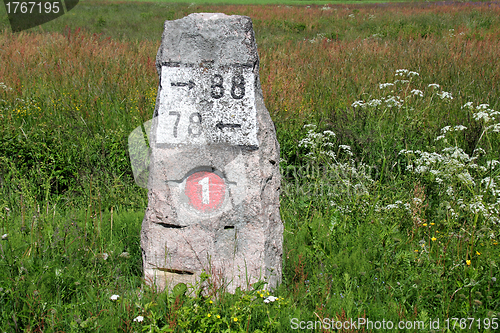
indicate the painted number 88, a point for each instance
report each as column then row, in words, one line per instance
column 237, row 86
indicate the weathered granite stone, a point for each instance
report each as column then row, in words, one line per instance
column 213, row 176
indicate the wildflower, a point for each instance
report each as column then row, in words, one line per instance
column 139, row 319
column 125, row 255
column 417, row 92
column 4, row 236
column 235, row 319
column 358, row 103
column 478, row 253
column 210, row 302
column 329, row 133
column 467, row 105
column 384, row 85
column 444, row 95
column 114, row 297
column 400, row 72
column 433, row 239
column 218, row 317
column 270, row 299
column 435, row 85
column 416, row 250
column 104, row 256
column 468, row 262
column 209, row 315
column 425, row 224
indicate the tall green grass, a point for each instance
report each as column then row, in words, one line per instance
column 382, row 221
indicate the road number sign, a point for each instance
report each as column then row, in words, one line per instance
column 201, row 105
column 205, row 191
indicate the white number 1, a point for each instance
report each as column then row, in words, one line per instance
column 205, row 187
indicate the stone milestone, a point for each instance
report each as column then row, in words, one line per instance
column 213, row 200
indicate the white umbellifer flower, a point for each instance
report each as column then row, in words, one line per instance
column 468, row 105
column 358, row 103
column 482, row 106
column 439, row 138
column 4, row 86
column 433, row 85
column 413, row 73
column 393, row 101
column 374, row 102
column 347, row 149
column 310, row 126
column 139, row 319
column 495, row 128
column 331, row 154
column 466, row 178
column 390, row 206
column 482, row 115
column 445, row 129
column 270, row 299
column 114, row 297
column 385, row 85
column 327, row 132
column 460, row 128
column 5, row 236
column 478, row 206
column 104, row 256
column 445, row 94
column 491, row 164
column 400, row 72
column 125, row 255
column 417, row 92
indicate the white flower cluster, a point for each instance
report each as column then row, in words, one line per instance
column 389, row 101
column 5, row 87
column 484, row 113
column 405, row 72
column 397, row 205
column 338, row 176
column 385, row 85
column 417, row 92
column 454, row 170
column 447, row 129
column 444, row 94
column 318, row 143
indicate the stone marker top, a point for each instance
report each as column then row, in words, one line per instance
column 218, row 40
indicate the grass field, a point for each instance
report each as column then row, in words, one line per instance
column 387, row 118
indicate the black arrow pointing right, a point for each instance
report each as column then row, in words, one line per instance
column 190, row 84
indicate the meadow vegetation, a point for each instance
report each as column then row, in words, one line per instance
column 389, row 125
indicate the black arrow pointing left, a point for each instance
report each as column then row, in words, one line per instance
column 220, row 125
column 190, row 84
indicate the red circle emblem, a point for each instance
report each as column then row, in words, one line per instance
column 205, row 190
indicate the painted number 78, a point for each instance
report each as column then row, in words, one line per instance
column 194, row 127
